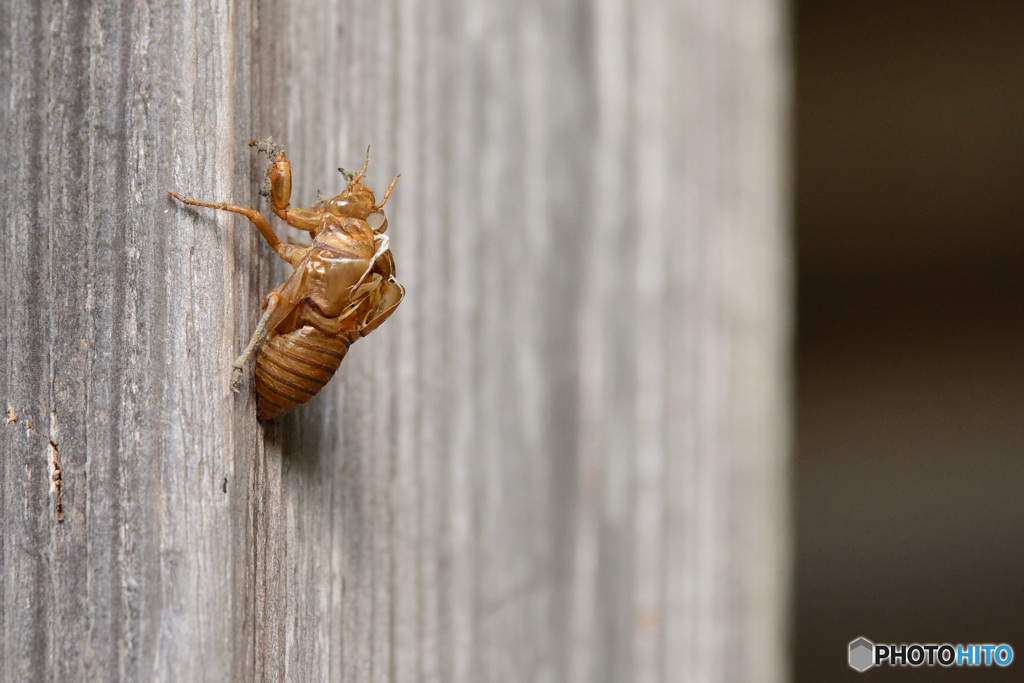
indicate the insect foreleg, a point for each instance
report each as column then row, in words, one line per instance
column 279, row 181
column 288, row 252
column 303, row 219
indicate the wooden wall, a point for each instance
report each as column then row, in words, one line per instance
column 910, row 391
column 564, row 457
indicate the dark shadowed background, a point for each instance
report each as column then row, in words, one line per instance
column 910, row 347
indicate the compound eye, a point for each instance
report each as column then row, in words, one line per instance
column 377, row 221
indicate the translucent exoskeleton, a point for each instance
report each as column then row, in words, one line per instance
column 343, row 286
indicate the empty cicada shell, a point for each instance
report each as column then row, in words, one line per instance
column 343, row 286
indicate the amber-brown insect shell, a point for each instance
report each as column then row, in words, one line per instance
column 343, row 286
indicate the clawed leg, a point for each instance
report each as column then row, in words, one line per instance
column 261, row 330
column 288, row 252
column 279, row 181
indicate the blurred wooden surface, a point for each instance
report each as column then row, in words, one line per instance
column 563, row 459
column 910, row 390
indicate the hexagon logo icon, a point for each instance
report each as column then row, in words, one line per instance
column 862, row 654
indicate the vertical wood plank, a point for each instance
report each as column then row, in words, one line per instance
column 563, row 459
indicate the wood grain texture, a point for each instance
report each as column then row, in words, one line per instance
column 562, row 459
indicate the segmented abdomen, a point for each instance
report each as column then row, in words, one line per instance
column 291, row 368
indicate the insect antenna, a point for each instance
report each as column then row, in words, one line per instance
column 387, row 193
column 365, row 164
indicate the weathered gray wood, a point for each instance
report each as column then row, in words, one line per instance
column 561, row 460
